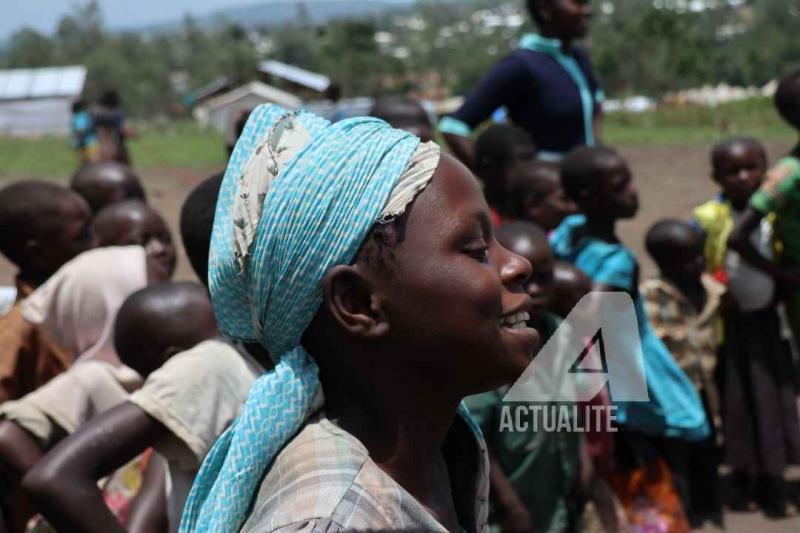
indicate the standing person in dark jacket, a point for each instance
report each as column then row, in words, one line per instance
column 546, row 84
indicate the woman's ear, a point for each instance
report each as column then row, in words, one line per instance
column 351, row 300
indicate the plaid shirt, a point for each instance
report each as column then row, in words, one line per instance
column 691, row 337
column 324, row 480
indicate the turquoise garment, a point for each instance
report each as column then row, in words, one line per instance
column 315, row 215
column 674, row 409
column 552, row 47
column 83, row 134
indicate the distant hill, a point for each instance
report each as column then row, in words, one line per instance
column 285, row 11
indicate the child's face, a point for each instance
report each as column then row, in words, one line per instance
column 741, row 172
column 554, row 207
column 686, row 262
column 540, row 284
column 146, row 228
column 615, row 195
column 75, row 234
column 455, row 303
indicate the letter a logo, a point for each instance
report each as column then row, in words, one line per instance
column 597, row 343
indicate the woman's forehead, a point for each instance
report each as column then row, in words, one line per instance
column 453, row 192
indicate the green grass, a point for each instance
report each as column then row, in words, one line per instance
column 179, row 144
column 183, row 144
column 687, row 125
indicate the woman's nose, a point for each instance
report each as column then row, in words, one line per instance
column 515, row 270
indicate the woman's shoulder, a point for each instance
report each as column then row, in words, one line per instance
column 324, row 478
column 309, row 481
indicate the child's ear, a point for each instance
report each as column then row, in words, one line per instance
column 351, row 300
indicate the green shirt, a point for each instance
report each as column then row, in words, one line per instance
column 541, row 466
column 780, row 194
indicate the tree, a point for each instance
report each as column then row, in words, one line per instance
column 27, row 48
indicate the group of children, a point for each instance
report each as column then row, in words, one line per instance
column 323, row 389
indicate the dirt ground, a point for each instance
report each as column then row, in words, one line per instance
column 671, row 180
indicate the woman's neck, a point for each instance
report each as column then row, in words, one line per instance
column 402, row 419
column 566, row 44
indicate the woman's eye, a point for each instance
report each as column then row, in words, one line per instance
column 479, row 254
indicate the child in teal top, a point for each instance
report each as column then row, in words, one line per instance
column 599, row 181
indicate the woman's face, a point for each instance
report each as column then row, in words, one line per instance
column 455, row 299
column 567, row 19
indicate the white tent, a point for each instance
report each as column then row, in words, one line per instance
column 38, row 101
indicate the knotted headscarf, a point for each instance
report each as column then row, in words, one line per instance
column 298, row 197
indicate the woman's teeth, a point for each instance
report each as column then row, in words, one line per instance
column 515, row 321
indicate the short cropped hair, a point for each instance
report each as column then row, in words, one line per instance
column 495, row 144
column 579, row 169
column 197, row 221
column 28, row 210
column 723, row 147
column 665, row 236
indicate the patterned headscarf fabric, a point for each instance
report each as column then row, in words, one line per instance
column 298, row 197
column 78, row 304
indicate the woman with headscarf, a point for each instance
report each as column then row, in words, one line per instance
column 337, row 246
column 547, row 86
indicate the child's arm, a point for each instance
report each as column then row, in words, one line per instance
column 739, row 240
column 19, row 452
column 514, row 514
column 148, row 511
column 63, row 484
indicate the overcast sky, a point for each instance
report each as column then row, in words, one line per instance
column 43, row 15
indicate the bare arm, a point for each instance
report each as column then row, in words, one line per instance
column 739, row 240
column 148, row 512
column 64, row 483
column 19, row 452
column 597, row 125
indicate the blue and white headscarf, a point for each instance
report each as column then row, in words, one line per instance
column 299, row 196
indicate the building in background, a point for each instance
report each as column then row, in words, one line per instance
column 222, row 111
column 305, row 83
column 38, row 101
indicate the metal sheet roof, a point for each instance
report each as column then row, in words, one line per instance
column 18, row 84
column 312, row 80
column 262, row 90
